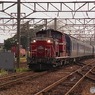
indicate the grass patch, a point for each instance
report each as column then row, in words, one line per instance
column 3, row 72
column 22, row 69
column 23, row 59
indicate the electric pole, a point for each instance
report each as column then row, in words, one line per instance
column 18, row 33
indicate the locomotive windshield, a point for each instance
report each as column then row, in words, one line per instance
column 49, row 33
column 41, row 35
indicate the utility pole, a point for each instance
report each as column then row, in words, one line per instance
column 45, row 22
column 94, row 36
column 28, row 41
column 18, row 33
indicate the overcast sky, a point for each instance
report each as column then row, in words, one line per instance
column 2, row 37
column 48, row 0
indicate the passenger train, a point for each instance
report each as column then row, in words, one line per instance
column 52, row 48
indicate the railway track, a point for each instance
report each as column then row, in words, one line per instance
column 13, row 79
column 67, row 84
column 33, row 85
column 12, row 76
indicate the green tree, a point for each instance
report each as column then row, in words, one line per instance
column 9, row 43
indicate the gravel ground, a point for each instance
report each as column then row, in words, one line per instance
column 85, row 88
column 89, row 88
column 30, row 86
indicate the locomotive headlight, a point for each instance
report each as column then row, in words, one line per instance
column 34, row 41
column 48, row 41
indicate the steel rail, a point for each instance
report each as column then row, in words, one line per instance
column 89, row 76
column 42, row 92
column 79, row 81
column 13, row 76
column 21, row 79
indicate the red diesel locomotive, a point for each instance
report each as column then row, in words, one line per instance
column 51, row 48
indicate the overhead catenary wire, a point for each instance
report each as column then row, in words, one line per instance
column 56, row 14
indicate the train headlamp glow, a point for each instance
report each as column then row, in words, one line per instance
column 34, row 41
column 48, row 41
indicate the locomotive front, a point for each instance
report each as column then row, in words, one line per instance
column 46, row 48
column 41, row 53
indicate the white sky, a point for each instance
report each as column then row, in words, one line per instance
column 56, row 0
column 3, row 37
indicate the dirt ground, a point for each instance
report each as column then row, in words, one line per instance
column 89, row 88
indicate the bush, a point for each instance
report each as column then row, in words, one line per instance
column 21, row 69
column 3, row 72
